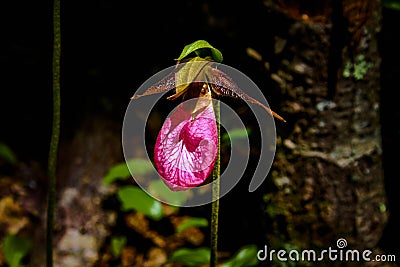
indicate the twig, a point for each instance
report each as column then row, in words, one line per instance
column 215, row 194
column 51, row 195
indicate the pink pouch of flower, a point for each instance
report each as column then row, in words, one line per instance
column 186, row 147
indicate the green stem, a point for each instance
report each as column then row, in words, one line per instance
column 51, row 195
column 215, row 194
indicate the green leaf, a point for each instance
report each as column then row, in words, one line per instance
column 117, row 172
column 392, row 4
column 189, row 73
column 197, row 46
column 121, row 171
column 236, row 134
column 382, row 207
column 140, row 166
column 347, row 69
column 117, row 244
column 161, row 191
column 7, row 154
column 191, row 257
column 246, row 256
column 191, row 222
column 15, row 248
column 134, row 198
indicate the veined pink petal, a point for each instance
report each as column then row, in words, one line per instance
column 186, row 148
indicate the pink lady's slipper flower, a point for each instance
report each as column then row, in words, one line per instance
column 187, row 144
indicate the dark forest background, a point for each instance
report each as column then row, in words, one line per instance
column 109, row 48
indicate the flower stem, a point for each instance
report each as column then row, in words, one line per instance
column 215, row 194
column 51, row 195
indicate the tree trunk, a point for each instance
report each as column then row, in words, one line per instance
column 327, row 172
column 82, row 222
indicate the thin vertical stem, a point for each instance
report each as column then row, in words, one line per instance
column 215, row 194
column 51, row 195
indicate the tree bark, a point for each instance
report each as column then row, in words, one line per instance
column 327, row 172
column 82, row 222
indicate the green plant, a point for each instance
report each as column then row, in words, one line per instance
column 117, row 244
column 191, row 257
column 357, row 69
column 7, row 154
column 392, row 4
column 127, row 194
column 245, row 256
column 15, row 248
column 158, row 189
column 199, row 48
column 181, row 160
column 120, row 171
column 191, row 222
column 134, row 198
